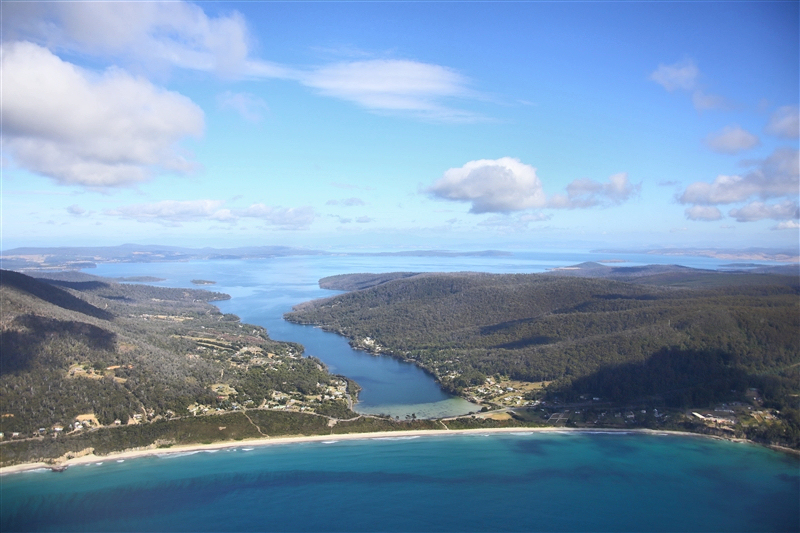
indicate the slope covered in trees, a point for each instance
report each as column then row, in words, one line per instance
column 683, row 336
column 80, row 349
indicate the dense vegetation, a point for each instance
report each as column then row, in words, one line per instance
column 81, row 346
column 679, row 337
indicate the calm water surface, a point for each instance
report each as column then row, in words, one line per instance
column 509, row 482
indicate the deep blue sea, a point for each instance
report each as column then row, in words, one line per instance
column 586, row 481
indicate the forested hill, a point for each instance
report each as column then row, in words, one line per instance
column 689, row 337
column 82, row 352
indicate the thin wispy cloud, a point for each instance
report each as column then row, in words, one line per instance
column 347, row 202
column 583, row 193
column 684, row 76
column 393, row 85
column 177, row 212
column 248, row 106
column 731, row 140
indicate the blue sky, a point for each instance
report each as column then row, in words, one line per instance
column 397, row 125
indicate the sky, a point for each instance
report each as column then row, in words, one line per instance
column 401, row 125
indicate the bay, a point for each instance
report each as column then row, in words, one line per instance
column 526, row 481
column 571, row 481
column 262, row 290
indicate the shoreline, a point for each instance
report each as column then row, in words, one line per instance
column 271, row 441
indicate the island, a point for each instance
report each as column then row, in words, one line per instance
column 203, row 282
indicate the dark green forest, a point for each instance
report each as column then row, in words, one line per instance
column 674, row 337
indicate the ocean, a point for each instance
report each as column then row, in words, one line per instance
column 526, row 481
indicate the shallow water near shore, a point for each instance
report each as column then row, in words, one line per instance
column 525, row 481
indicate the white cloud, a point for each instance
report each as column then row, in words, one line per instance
column 392, row 85
column 773, row 177
column 290, row 218
column 152, row 34
column 703, row 212
column 731, row 140
column 85, row 129
column 583, row 193
column 156, row 36
column 174, row 212
column 365, row 220
column 789, row 224
column 349, row 202
column 785, row 122
column 759, row 211
column 681, row 75
column 249, row 106
column 492, row 186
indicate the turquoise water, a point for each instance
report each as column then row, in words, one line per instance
column 508, row 482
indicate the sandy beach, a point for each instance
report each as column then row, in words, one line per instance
column 132, row 454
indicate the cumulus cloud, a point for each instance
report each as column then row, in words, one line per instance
column 492, row 186
column 789, row 224
column 753, row 211
column 785, row 122
column 773, row 177
column 731, row 140
column 365, row 220
column 76, row 210
column 80, row 128
column 776, row 177
column 250, row 107
column 703, row 212
column 583, row 193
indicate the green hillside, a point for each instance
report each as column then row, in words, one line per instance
column 80, row 353
column 675, row 337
